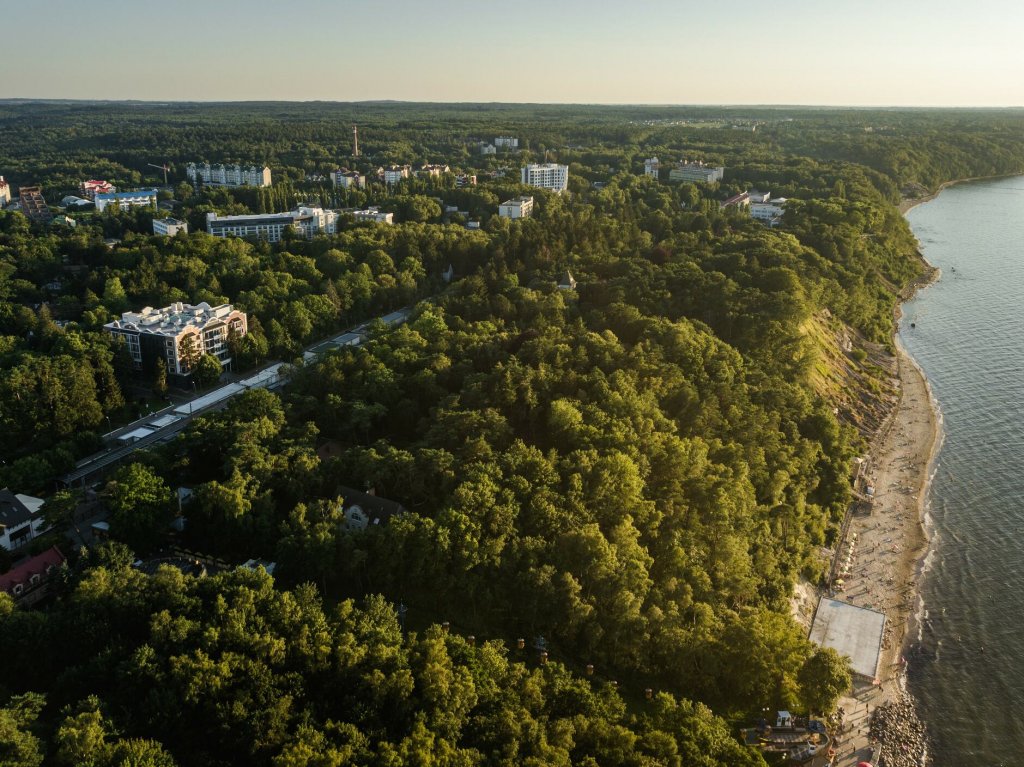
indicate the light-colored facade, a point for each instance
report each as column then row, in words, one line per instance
column 373, row 215
column 697, row 171
column 465, row 179
column 306, row 221
column 169, row 226
column 228, row 175
column 770, row 212
column 740, row 200
column 520, row 207
column 179, row 334
column 142, row 198
column 395, row 173
column 5, row 193
column 547, row 176
column 651, row 167
column 488, row 149
column 347, row 179
column 433, row 170
column 506, row 142
column 21, row 519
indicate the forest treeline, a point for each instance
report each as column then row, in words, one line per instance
column 638, row 469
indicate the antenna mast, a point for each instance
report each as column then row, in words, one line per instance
column 355, row 140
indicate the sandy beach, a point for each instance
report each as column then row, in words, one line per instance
column 890, row 545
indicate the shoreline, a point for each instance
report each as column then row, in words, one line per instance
column 908, row 203
column 892, row 541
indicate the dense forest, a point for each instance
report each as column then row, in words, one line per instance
column 637, row 470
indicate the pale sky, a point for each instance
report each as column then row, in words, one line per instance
column 859, row 52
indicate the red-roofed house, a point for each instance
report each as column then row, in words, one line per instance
column 89, row 189
column 28, row 582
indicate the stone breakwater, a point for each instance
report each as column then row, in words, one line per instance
column 899, row 734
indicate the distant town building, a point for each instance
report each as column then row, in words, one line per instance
column 73, row 201
column 770, row 212
column 740, row 200
column 347, row 179
column 547, row 176
column 756, row 196
column 488, row 149
column 89, row 189
column 21, row 519
column 651, row 167
column 506, row 142
column 142, row 198
column 696, row 171
column 395, row 173
column 32, row 204
column 228, row 175
column 465, row 179
column 373, row 215
column 30, row 581
column 63, row 220
column 169, row 226
column 568, row 281
column 520, row 207
column 179, row 334
column 306, row 221
column 363, row 510
column 433, row 170
column 5, row 193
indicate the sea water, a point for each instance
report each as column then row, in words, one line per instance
column 967, row 333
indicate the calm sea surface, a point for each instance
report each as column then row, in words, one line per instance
column 968, row 668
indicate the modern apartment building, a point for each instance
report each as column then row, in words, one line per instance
column 142, row 198
column 5, row 193
column 651, row 167
column 21, row 519
column 32, row 204
column 89, row 189
column 697, row 171
column 520, row 207
column 306, row 221
column 433, row 170
column 547, row 176
column 487, row 149
column 347, row 179
column 506, row 142
column 228, row 175
column 169, row 226
column 374, row 215
column 179, row 334
column 395, row 173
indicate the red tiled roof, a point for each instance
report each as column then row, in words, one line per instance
column 37, row 565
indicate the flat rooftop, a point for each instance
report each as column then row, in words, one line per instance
column 852, row 631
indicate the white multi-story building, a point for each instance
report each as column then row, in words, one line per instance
column 142, row 198
column 374, row 215
column 506, row 142
column 228, row 175
column 770, row 212
column 651, row 167
column 697, row 171
column 179, row 334
column 169, row 226
column 488, row 149
column 306, row 221
column 5, row 193
column 547, row 176
column 395, row 173
column 347, row 179
column 520, row 207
